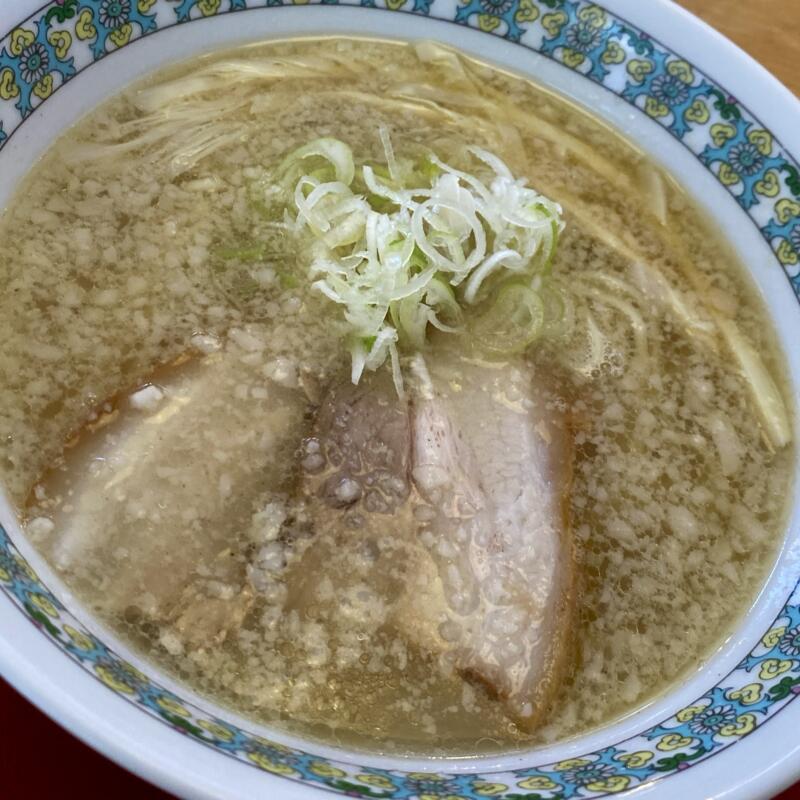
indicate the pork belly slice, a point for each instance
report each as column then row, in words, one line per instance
column 450, row 507
column 159, row 489
column 492, row 457
column 355, row 485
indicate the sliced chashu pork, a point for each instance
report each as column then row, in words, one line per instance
column 449, row 507
column 157, row 493
column 492, row 460
column 356, row 486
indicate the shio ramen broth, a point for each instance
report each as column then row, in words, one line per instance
column 169, row 377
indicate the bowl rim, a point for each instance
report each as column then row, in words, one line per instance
column 77, row 721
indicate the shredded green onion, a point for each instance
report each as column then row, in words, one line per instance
column 337, row 154
column 247, row 254
column 412, row 244
column 514, row 320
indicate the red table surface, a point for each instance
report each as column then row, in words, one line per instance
column 41, row 761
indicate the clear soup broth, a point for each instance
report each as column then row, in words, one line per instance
column 172, row 385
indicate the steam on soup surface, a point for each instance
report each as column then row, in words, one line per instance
column 506, row 505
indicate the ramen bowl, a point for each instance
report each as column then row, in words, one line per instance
column 715, row 119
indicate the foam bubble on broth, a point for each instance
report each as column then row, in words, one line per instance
column 114, row 280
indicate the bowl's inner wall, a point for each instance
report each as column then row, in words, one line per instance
column 777, row 229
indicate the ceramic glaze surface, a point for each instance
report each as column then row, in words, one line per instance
column 65, row 37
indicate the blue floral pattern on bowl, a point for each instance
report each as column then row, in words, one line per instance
column 67, row 36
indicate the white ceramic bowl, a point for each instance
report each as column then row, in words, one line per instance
column 731, row 153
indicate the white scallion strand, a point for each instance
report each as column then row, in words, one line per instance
column 417, row 264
